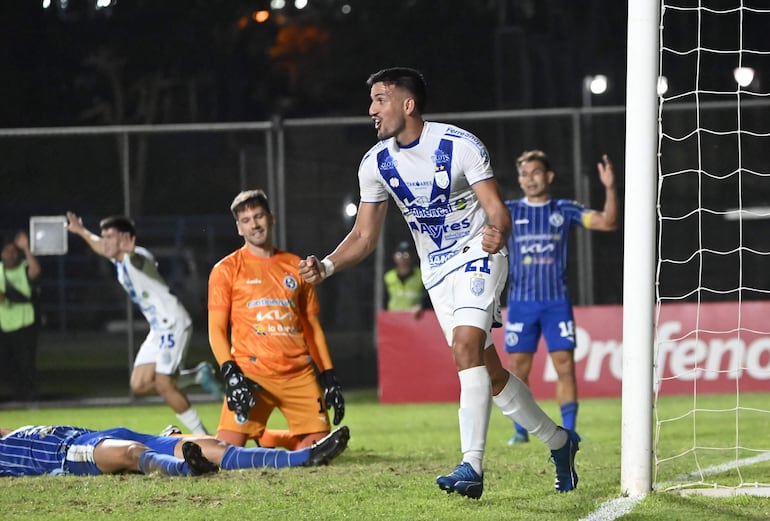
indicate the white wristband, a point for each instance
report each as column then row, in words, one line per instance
column 328, row 267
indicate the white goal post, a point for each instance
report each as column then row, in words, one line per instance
column 695, row 281
column 639, row 252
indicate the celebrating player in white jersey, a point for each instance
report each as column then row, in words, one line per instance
column 163, row 351
column 538, row 300
column 441, row 180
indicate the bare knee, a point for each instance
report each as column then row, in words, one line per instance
column 143, row 379
column 564, row 365
column 468, row 347
column 132, row 454
column 143, row 385
column 233, row 438
column 113, row 456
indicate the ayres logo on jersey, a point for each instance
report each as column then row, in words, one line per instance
column 436, row 231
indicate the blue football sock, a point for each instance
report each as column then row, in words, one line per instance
column 569, row 415
column 151, row 461
column 242, row 458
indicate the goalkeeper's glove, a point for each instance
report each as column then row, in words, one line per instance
column 237, row 391
column 332, row 394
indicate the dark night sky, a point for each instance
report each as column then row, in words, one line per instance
column 190, row 61
column 176, row 61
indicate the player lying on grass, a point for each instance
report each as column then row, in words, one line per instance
column 61, row 449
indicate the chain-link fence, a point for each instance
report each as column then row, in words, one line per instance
column 177, row 182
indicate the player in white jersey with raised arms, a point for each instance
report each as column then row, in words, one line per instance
column 440, row 178
column 163, row 351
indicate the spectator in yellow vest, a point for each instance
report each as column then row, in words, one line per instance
column 403, row 283
column 18, row 324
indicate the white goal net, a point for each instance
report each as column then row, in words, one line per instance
column 712, row 320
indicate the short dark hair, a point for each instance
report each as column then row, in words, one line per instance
column 120, row 222
column 402, row 246
column 408, row 79
column 534, row 155
column 249, row 199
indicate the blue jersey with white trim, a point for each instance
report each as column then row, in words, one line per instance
column 539, row 247
column 37, row 450
column 431, row 183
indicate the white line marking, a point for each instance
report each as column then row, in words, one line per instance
column 614, row 509
column 618, row 507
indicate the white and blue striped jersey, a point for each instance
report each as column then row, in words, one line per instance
column 431, row 182
column 539, row 247
column 150, row 292
column 37, row 450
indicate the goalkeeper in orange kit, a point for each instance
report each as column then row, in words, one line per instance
column 275, row 355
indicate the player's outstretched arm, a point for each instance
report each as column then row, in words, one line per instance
column 607, row 219
column 355, row 247
column 75, row 225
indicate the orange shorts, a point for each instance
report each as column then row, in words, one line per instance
column 298, row 397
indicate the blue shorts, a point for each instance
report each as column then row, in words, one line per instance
column 80, row 454
column 526, row 321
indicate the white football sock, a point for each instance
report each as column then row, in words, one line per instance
column 517, row 403
column 192, row 421
column 475, row 407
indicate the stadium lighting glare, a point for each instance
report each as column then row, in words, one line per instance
column 277, row 4
column 300, row 4
column 662, row 85
column 744, row 76
column 346, row 9
column 350, row 210
column 46, row 4
column 597, row 84
column 103, row 4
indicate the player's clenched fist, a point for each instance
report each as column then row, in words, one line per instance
column 492, row 239
column 313, row 270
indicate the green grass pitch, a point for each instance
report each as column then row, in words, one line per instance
column 387, row 473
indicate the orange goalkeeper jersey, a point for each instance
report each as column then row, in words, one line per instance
column 268, row 302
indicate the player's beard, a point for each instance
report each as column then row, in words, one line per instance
column 262, row 239
column 389, row 131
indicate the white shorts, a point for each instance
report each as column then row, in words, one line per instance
column 166, row 349
column 470, row 296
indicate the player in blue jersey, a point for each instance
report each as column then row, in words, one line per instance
column 538, row 298
column 440, row 178
column 64, row 449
